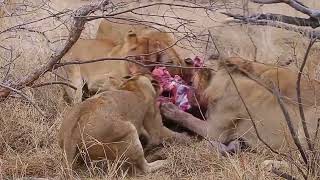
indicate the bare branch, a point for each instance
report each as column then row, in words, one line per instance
column 144, row 63
column 129, row 60
column 284, row 110
column 31, row 22
column 214, row 43
column 249, row 114
column 52, row 83
column 144, row 22
column 312, row 34
column 80, row 18
column 76, row 29
column 314, row 23
column 298, row 88
column 267, row 1
column 156, row 4
column 297, row 5
column 24, row 96
column 290, row 125
column 317, row 131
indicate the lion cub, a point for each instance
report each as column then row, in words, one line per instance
column 108, row 124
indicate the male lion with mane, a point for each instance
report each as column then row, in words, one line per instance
column 108, row 124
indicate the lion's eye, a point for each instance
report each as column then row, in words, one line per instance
column 154, row 82
column 229, row 65
column 127, row 77
column 158, row 58
column 170, row 62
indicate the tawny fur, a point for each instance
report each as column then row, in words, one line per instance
column 108, row 125
column 228, row 119
column 150, row 41
column 117, row 29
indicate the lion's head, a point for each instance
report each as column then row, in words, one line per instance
column 143, row 83
column 151, row 47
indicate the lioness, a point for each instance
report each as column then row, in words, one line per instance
column 108, row 124
column 93, row 74
column 227, row 116
column 114, row 30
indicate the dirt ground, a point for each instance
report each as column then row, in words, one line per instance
column 28, row 141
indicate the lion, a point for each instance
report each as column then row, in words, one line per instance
column 108, row 124
column 115, row 29
column 283, row 78
column 150, row 43
column 227, row 116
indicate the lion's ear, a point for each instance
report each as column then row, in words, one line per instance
column 158, row 45
column 156, row 86
column 131, row 37
column 127, row 77
column 137, row 69
column 133, row 68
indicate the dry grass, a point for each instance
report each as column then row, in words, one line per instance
column 28, row 141
column 29, row 149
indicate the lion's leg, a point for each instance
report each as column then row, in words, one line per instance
column 198, row 126
column 151, row 167
column 69, row 153
column 184, row 119
column 132, row 149
column 270, row 165
column 222, row 124
column 158, row 132
column 74, row 76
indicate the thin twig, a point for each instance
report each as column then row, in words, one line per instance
column 199, row 107
column 129, row 60
column 214, row 43
column 75, row 32
column 249, row 113
column 34, row 21
column 150, row 5
column 290, row 125
column 24, row 96
column 316, row 134
column 313, row 34
column 52, row 83
column 286, row 115
column 297, row 5
column 298, row 88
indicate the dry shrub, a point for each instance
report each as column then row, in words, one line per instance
column 196, row 161
column 41, row 163
column 29, row 149
column 28, row 145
